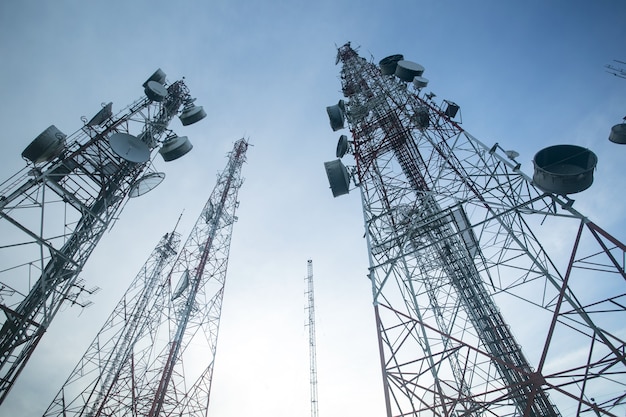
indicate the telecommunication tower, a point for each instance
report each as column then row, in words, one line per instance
column 55, row 210
column 155, row 354
column 618, row 131
column 311, row 325
column 461, row 242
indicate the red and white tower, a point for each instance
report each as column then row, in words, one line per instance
column 155, row 354
column 463, row 251
column 55, row 210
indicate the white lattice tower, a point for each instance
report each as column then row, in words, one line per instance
column 56, row 209
column 455, row 232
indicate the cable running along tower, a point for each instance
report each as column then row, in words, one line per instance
column 155, row 354
column 311, row 325
column 56, row 209
column 470, row 259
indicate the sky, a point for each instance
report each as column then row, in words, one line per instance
column 526, row 74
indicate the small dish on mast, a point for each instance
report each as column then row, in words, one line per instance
column 175, row 147
column 102, row 116
column 191, row 114
column 338, row 177
column 158, row 76
column 146, row 183
column 342, row 146
column 45, row 147
column 129, row 147
column 155, row 91
column 337, row 115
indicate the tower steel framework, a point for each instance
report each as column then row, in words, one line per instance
column 162, row 336
column 55, row 210
column 311, row 325
column 461, row 242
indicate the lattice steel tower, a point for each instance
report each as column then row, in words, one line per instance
column 56, row 209
column 311, row 325
column 155, row 354
column 461, row 242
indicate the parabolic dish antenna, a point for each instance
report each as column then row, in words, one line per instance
column 46, row 146
column 102, row 116
column 155, row 91
column 388, row 65
column 146, row 183
column 336, row 115
column 407, row 70
column 129, row 147
column 564, row 169
column 342, row 146
column 175, row 147
column 338, row 177
column 618, row 134
column 420, row 82
column 192, row 114
column 158, row 76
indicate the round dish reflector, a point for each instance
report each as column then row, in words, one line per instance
column 407, row 70
column 338, row 177
column 146, row 183
column 174, row 148
column 618, row 134
column 129, row 147
column 102, row 115
column 158, row 76
column 336, row 115
column 47, row 145
column 192, row 114
column 388, row 64
column 155, row 91
column 342, row 146
column 564, row 169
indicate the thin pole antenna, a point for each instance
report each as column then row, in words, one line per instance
column 311, row 325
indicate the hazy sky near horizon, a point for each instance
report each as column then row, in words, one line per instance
column 526, row 74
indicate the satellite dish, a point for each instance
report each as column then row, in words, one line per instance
column 618, row 134
column 407, row 70
column 192, row 114
column 46, row 146
column 182, row 285
column 388, row 64
column 129, row 147
column 420, row 82
column 146, row 183
column 336, row 115
column 338, row 177
column 158, row 76
column 155, row 91
column 103, row 115
column 175, row 147
column 564, row 169
column 511, row 154
column 342, row 146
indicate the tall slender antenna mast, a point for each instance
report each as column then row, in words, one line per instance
column 56, row 209
column 155, row 355
column 461, row 243
column 311, row 325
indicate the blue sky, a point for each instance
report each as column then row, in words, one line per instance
column 526, row 74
